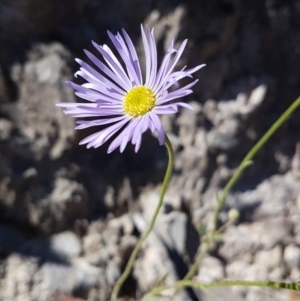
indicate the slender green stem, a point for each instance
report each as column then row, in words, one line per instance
column 205, row 246
column 232, row 181
column 148, row 230
column 200, row 286
column 253, row 151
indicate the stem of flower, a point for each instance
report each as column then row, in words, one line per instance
column 201, row 286
column 148, row 230
column 232, row 181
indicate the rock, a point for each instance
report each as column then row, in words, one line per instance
column 156, row 265
column 33, row 134
column 170, row 248
column 43, row 282
column 65, row 298
column 291, row 256
column 223, row 137
column 66, row 278
column 50, row 187
column 228, row 118
column 211, row 270
column 295, row 164
column 268, row 264
column 275, row 195
column 68, row 199
column 66, row 244
column 222, row 294
column 243, row 240
column 19, row 272
column 6, row 128
column 173, row 228
column 66, row 202
column 39, row 122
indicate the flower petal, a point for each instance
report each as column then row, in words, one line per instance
column 99, row 138
column 107, row 71
column 183, row 91
column 124, row 137
column 114, row 64
column 112, row 76
column 83, row 124
column 134, row 56
column 158, row 127
column 125, row 55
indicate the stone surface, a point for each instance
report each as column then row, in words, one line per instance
column 66, row 244
column 70, row 217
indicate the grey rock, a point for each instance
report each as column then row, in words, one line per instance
column 228, row 116
column 173, row 228
column 275, row 195
column 19, row 272
column 26, row 280
column 291, row 256
column 221, row 294
column 65, row 278
column 223, row 137
column 6, row 128
column 211, row 270
column 49, row 185
column 171, row 246
column 39, row 121
column 245, row 240
column 155, row 265
column 66, row 202
column 66, row 244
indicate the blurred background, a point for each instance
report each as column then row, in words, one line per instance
column 69, row 217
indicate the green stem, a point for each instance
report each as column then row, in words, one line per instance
column 252, row 152
column 200, row 286
column 148, row 230
column 232, row 181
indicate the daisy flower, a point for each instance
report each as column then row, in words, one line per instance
column 122, row 101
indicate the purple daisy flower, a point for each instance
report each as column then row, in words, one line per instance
column 123, row 101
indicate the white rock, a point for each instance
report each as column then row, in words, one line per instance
column 66, row 243
column 292, row 256
column 211, row 270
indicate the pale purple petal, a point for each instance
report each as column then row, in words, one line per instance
column 153, row 53
column 147, row 56
column 113, row 63
column 163, row 66
column 171, row 108
column 165, row 110
column 89, row 74
column 83, row 124
column 159, row 128
column 112, row 75
column 138, row 132
column 124, row 137
column 184, row 105
column 134, row 56
column 124, row 53
column 107, row 71
column 104, row 97
column 88, row 110
column 84, row 93
column 99, row 138
column 170, row 68
column 177, row 93
column 138, row 143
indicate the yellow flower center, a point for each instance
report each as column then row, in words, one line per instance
column 139, row 101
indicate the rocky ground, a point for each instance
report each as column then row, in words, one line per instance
column 69, row 217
